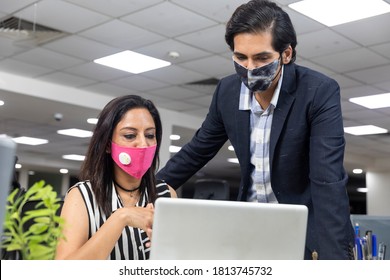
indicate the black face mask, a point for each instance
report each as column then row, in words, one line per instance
column 257, row 79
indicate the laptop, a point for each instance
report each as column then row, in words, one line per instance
column 197, row 229
column 7, row 165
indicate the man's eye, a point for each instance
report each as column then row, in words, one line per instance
column 262, row 59
column 240, row 58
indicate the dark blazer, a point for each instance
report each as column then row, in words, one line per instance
column 306, row 153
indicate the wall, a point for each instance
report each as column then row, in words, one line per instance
column 378, row 194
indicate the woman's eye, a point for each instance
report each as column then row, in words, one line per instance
column 130, row 136
column 150, row 136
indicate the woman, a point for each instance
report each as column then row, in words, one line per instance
column 109, row 214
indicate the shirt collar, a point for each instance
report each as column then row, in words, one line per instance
column 246, row 94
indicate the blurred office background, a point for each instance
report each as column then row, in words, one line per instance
column 49, row 81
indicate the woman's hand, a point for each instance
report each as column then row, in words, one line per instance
column 138, row 217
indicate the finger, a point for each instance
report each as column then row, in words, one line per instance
column 149, row 232
column 150, row 206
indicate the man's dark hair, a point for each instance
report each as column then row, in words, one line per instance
column 263, row 16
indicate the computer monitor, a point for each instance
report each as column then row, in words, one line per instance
column 7, row 165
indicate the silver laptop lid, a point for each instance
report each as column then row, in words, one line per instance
column 209, row 229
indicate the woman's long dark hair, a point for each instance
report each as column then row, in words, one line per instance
column 98, row 164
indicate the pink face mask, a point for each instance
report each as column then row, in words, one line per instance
column 134, row 161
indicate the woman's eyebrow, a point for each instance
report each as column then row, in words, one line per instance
column 128, row 128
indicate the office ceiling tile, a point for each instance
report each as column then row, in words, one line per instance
column 205, row 101
column 97, row 72
column 11, row 6
column 367, row 32
column 168, row 19
column 61, row 15
column 8, row 47
column 47, row 58
column 180, row 106
column 122, row 35
column 351, row 60
column 216, row 10
column 80, row 47
column 107, row 89
column 175, row 93
column 162, row 50
column 359, row 91
column 175, row 75
column 383, row 49
column 373, row 75
column 214, row 66
column 211, row 39
column 345, row 82
column 25, row 69
column 323, row 42
column 303, row 24
column 115, row 8
column 66, row 79
column 384, row 86
column 138, row 83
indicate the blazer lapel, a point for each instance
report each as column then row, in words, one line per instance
column 285, row 101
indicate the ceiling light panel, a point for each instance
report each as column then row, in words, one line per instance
column 74, row 157
column 132, row 62
column 335, row 12
column 373, row 101
column 75, row 132
column 30, row 141
column 365, row 130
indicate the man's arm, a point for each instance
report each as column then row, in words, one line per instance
column 204, row 145
column 327, row 175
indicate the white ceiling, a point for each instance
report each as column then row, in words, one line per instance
column 356, row 54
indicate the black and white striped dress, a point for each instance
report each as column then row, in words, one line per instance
column 131, row 244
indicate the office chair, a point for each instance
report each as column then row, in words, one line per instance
column 213, row 189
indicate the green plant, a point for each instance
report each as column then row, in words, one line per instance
column 34, row 233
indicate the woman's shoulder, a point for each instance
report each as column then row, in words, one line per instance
column 84, row 187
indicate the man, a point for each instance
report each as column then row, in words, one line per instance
column 285, row 124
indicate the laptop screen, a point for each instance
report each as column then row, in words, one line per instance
column 198, row 229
